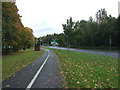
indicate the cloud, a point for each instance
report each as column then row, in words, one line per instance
column 45, row 31
column 47, row 16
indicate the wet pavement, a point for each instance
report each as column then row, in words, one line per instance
column 96, row 52
column 49, row 77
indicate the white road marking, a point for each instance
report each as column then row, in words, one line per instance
column 36, row 75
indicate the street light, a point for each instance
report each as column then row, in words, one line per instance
column 110, row 42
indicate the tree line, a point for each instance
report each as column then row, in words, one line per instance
column 98, row 32
column 92, row 33
column 14, row 35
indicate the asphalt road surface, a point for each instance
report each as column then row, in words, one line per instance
column 97, row 52
column 37, row 75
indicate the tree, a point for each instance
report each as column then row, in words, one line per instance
column 101, row 16
column 27, row 38
column 14, row 35
column 92, row 33
column 68, row 30
column 12, row 27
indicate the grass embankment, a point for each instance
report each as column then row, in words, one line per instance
column 87, row 70
column 16, row 61
column 107, row 49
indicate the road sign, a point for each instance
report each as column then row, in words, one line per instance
column 53, row 42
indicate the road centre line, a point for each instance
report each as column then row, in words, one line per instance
column 36, row 75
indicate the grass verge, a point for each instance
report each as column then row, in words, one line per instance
column 14, row 62
column 87, row 70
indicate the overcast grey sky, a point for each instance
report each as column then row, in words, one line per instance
column 46, row 16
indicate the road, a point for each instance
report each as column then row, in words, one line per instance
column 97, row 52
column 34, row 76
column 44, row 72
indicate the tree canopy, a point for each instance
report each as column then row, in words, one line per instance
column 92, row 33
column 14, row 35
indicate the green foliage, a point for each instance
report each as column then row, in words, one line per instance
column 92, row 32
column 101, row 16
column 84, row 70
column 14, row 34
column 60, row 38
column 27, row 38
column 69, row 30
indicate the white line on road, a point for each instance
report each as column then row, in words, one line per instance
column 36, row 75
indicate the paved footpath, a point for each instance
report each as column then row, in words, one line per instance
column 48, row 77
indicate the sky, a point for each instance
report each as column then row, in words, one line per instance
column 47, row 16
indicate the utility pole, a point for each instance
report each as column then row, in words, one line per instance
column 48, row 40
column 40, row 41
column 110, row 42
column 33, row 43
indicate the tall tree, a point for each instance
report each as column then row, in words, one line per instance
column 13, row 30
column 101, row 16
column 12, row 26
column 68, row 30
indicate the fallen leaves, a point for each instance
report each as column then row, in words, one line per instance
column 7, row 86
column 88, row 71
column 78, row 83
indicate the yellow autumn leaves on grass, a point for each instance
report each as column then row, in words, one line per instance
column 83, row 70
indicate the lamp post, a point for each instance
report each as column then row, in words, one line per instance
column 41, row 41
column 110, row 42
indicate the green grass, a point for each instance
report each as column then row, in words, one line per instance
column 87, row 70
column 14, row 62
column 107, row 49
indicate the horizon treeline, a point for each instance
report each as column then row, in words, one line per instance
column 14, row 35
column 98, row 32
